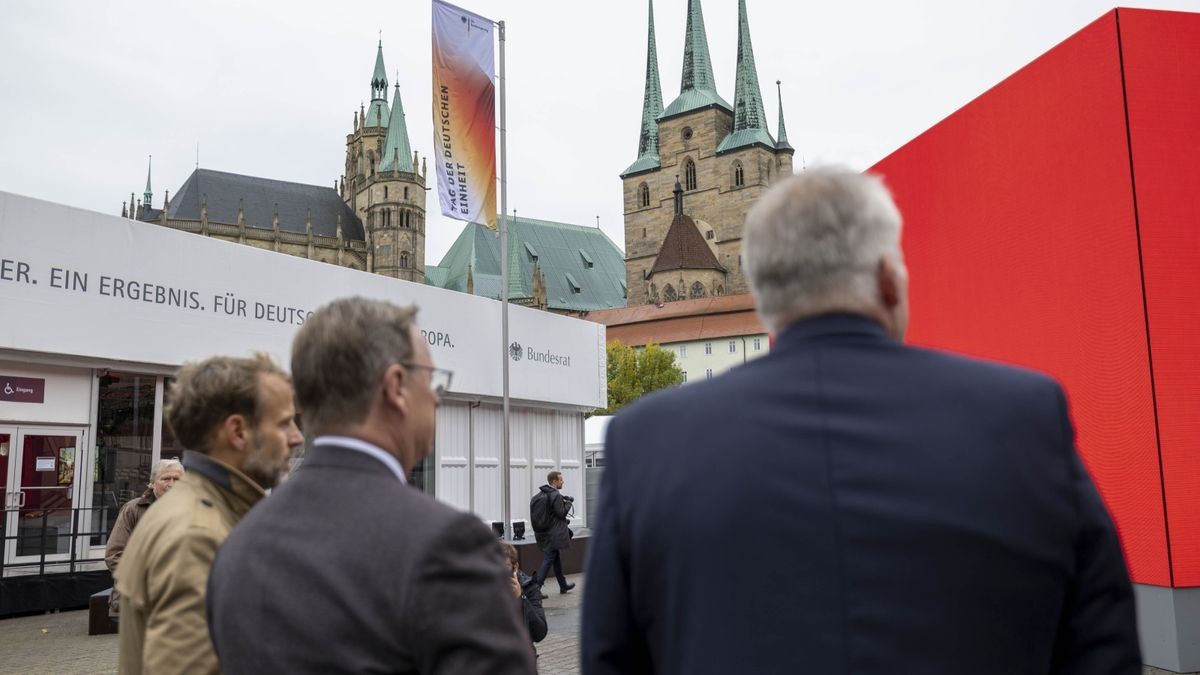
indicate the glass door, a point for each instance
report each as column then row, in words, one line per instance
column 8, row 441
column 42, row 494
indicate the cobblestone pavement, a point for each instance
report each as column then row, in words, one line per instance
column 59, row 643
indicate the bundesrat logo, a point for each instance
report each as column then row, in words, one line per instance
column 514, row 351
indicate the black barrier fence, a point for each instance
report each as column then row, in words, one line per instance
column 52, row 541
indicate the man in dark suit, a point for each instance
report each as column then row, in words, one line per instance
column 905, row 510
column 346, row 568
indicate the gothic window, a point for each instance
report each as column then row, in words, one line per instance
column 643, row 195
column 406, row 193
column 404, row 260
column 669, row 293
column 387, row 218
column 697, row 290
column 689, row 174
column 739, row 176
column 653, row 292
column 385, row 191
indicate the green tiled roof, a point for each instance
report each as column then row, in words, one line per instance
column 698, row 88
column 561, row 249
column 749, row 118
column 652, row 107
column 782, row 143
column 397, row 153
column 377, row 114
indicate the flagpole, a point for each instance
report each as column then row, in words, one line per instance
column 505, row 451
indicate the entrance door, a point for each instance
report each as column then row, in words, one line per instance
column 41, row 494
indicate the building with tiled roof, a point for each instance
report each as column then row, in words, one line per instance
column 722, row 155
column 556, row 266
column 707, row 335
column 372, row 218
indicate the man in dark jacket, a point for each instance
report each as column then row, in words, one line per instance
column 548, row 512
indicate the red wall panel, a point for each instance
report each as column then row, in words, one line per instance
column 1161, row 53
column 1021, row 245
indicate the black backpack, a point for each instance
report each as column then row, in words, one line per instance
column 539, row 512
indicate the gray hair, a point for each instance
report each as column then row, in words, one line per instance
column 340, row 354
column 813, row 244
column 161, row 466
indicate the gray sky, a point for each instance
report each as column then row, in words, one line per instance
column 89, row 89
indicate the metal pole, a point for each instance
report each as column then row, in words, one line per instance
column 505, row 452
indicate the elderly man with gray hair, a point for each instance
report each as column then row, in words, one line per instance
column 166, row 472
column 347, row 568
column 907, row 510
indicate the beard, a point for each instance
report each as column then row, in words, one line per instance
column 262, row 467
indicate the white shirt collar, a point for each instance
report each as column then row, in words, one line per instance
column 366, row 448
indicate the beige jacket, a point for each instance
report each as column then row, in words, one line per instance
column 164, row 571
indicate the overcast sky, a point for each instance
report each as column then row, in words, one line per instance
column 89, row 89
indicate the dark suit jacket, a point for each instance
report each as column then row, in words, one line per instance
column 344, row 568
column 886, row 509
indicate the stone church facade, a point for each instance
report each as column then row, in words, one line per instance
column 372, row 219
column 721, row 157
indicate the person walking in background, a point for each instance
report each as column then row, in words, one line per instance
column 347, row 568
column 548, row 514
column 166, row 472
column 908, row 511
column 236, row 418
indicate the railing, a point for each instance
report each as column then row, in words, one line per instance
column 36, row 545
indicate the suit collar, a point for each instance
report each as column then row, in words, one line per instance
column 337, row 456
column 823, row 326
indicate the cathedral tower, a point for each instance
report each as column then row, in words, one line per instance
column 722, row 155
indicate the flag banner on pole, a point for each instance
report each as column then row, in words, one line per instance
column 464, row 114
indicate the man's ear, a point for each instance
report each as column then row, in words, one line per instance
column 888, row 277
column 234, row 432
column 394, row 392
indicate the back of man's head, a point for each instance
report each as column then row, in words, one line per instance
column 814, row 244
column 208, row 392
column 340, row 355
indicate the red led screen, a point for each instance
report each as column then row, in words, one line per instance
column 1021, row 244
column 1161, row 53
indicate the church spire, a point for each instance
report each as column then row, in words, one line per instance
column 377, row 113
column 782, row 143
column 698, row 88
column 749, row 118
column 652, row 107
column 148, row 197
column 397, row 153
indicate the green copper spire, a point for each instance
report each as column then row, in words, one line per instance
column 782, row 143
column 698, row 88
column 749, row 118
column 397, row 153
column 377, row 113
column 652, row 107
column 149, row 196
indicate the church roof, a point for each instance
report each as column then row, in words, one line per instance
column 583, row 269
column 698, row 88
column 397, row 153
column 260, row 197
column 652, row 107
column 684, row 249
column 749, row 117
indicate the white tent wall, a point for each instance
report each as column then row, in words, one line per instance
column 541, row 440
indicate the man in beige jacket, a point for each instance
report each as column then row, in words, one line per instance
column 237, row 419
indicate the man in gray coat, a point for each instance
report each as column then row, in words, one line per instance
column 346, row 568
column 549, row 509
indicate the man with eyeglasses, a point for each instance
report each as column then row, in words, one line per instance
column 347, row 568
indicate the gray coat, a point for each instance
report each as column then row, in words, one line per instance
column 345, row 569
column 558, row 537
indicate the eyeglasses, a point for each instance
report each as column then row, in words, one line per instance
column 439, row 378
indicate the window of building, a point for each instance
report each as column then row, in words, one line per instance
column 385, row 191
column 739, row 176
column 708, row 235
column 643, row 233
column 697, row 290
column 733, row 346
column 406, row 193
column 708, row 348
column 643, row 195
column 124, row 445
column 708, row 373
column 404, row 260
column 669, row 293
column 685, row 376
column 682, row 351
column 757, row 344
column 689, row 174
